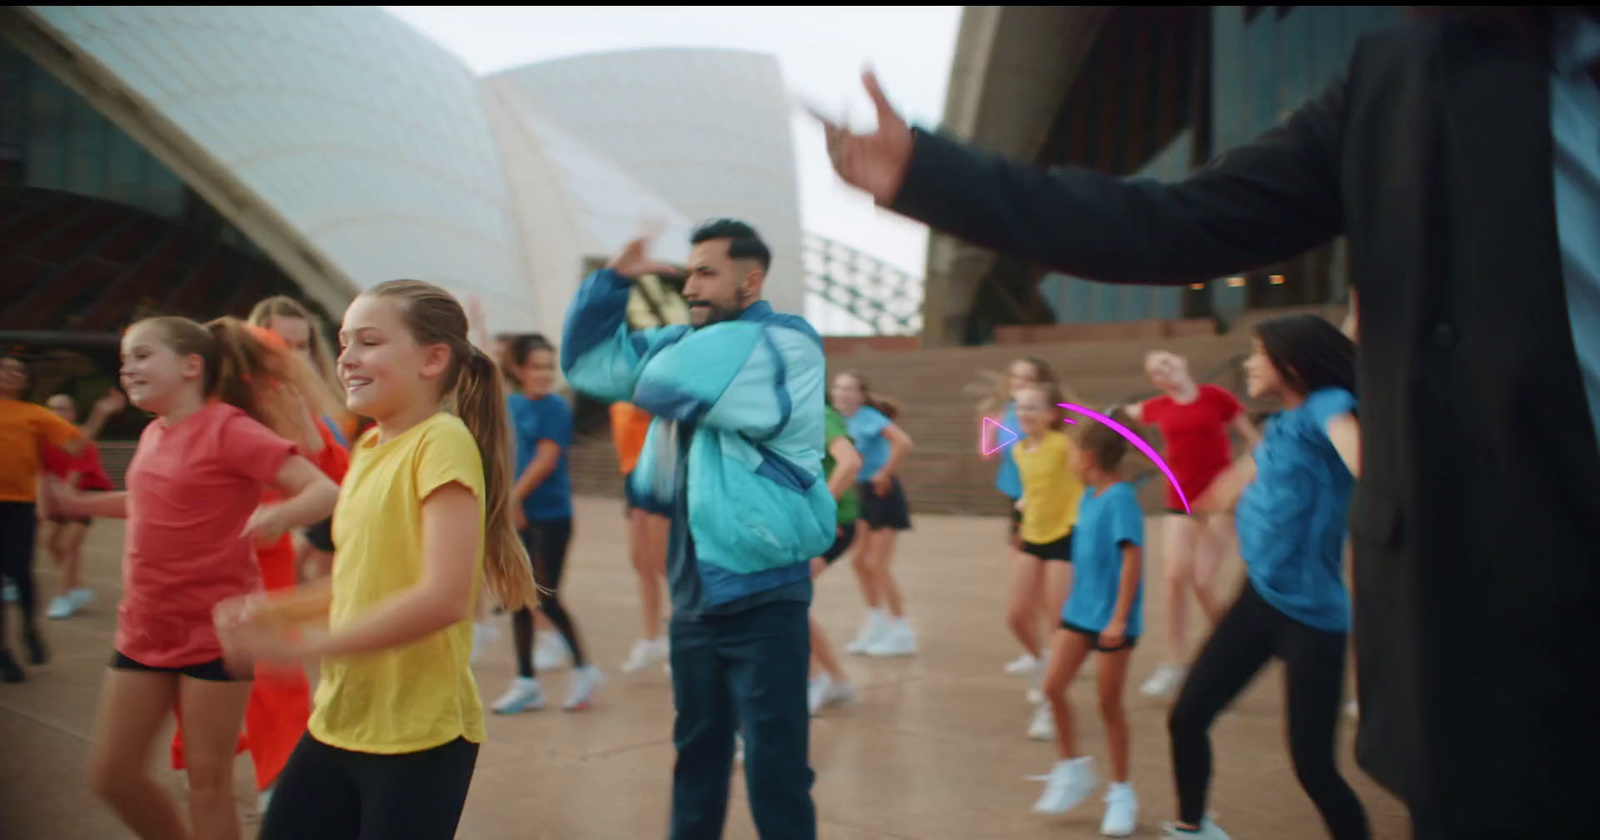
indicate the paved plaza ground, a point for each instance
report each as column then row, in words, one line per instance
column 934, row 749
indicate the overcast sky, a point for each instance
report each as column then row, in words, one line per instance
column 821, row 50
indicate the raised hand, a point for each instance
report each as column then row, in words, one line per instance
column 873, row 162
column 634, row 261
column 111, row 403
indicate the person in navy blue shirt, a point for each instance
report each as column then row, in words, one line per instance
column 1104, row 613
column 541, row 422
column 1293, row 496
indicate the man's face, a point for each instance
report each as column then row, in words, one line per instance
column 719, row 287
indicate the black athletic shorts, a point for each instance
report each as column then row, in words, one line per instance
column 1094, row 638
column 320, row 535
column 212, row 671
column 886, row 512
column 1058, row 550
column 841, row 543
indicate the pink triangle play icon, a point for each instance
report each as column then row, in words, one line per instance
column 1003, row 437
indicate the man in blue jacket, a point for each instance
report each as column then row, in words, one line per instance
column 734, row 458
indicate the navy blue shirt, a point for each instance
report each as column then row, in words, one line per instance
column 1291, row 519
column 1107, row 520
column 547, row 418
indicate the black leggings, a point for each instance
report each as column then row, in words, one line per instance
column 1251, row 633
column 547, row 548
column 17, row 530
column 326, row 793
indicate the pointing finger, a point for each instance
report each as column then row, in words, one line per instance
column 886, row 112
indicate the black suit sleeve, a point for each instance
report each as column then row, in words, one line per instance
column 1260, row 203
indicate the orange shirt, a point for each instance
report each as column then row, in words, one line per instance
column 628, row 427
column 23, row 427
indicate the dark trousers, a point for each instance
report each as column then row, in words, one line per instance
column 326, row 793
column 17, row 526
column 1251, row 633
column 748, row 671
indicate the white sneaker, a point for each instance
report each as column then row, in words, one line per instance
column 550, row 653
column 873, row 630
column 1043, row 727
column 1036, row 685
column 645, row 653
column 1022, row 666
column 824, row 692
column 1163, row 682
column 585, row 682
column 484, row 634
column 61, row 606
column 899, row 640
column 1122, row 811
column 524, row 695
column 1208, row 831
column 1068, row 784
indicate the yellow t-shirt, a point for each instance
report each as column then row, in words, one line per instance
column 422, row 695
column 1051, row 488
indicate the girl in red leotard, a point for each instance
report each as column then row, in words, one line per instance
column 1194, row 421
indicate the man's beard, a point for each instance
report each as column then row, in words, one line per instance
column 714, row 313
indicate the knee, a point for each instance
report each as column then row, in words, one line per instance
column 108, row 781
column 1022, row 615
column 1111, row 709
column 1178, row 573
column 1186, row 721
column 210, row 778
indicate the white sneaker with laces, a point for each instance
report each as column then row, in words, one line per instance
column 824, row 692
column 1122, row 811
column 1022, row 666
column 898, row 640
column 873, row 630
column 1208, row 831
column 645, row 653
column 1163, row 682
column 1043, row 727
column 1069, row 783
column 524, row 695
column 585, row 682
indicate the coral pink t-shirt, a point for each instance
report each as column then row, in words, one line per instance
column 192, row 486
column 1198, row 447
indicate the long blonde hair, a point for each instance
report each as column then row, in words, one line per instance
column 266, row 382
column 473, row 390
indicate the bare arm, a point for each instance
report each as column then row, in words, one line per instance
column 900, row 446
column 1132, row 564
column 302, row 605
column 1344, row 431
column 1224, row 492
column 545, row 459
column 1246, row 430
column 846, row 466
column 310, row 494
column 440, row 598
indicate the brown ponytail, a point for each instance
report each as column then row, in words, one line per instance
column 473, row 391
column 264, row 381
column 887, row 406
column 326, row 393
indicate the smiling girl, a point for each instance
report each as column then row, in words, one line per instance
column 424, row 521
column 226, row 407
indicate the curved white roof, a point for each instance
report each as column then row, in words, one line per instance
column 706, row 129
column 382, row 156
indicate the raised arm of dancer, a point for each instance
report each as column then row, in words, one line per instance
column 846, row 467
column 1257, row 204
column 310, row 497
column 1344, row 432
column 1226, row 489
column 600, row 355
column 68, row 501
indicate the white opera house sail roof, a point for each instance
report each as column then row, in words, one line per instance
column 351, row 149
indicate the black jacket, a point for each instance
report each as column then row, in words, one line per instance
column 1476, row 521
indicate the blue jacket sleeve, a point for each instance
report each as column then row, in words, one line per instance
column 737, row 376
column 600, row 356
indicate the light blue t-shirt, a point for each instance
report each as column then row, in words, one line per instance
column 1008, row 480
column 547, row 418
column 1107, row 520
column 866, row 432
column 1291, row 519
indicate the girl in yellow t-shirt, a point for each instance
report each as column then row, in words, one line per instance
column 423, row 521
column 1041, row 570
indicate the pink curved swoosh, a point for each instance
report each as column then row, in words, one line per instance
column 1136, row 441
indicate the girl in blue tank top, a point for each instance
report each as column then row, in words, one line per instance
column 1290, row 500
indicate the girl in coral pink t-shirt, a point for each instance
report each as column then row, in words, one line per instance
column 223, row 430
column 1197, row 423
